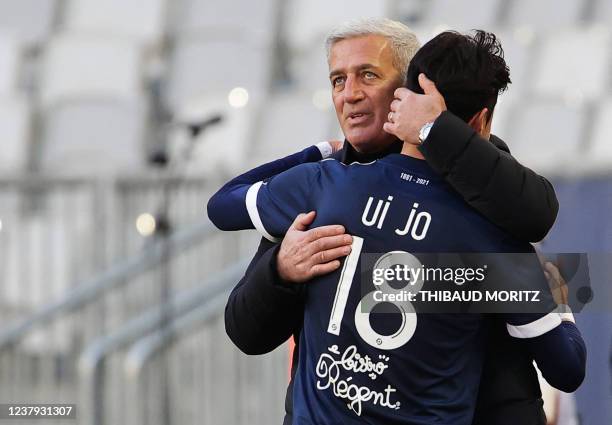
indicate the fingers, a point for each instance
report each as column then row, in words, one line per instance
column 428, row 86
column 401, row 93
column 302, row 221
column 394, row 105
column 332, row 254
column 321, row 269
column 556, row 282
column 553, row 272
column 327, row 243
column 324, row 231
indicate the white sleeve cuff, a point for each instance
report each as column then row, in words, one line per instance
column 536, row 328
column 325, row 148
column 251, row 204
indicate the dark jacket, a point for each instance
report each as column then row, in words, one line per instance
column 263, row 311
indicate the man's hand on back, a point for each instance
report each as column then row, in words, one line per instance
column 411, row 111
column 305, row 254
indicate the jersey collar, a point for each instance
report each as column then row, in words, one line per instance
column 348, row 154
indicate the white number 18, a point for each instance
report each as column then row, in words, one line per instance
column 362, row 314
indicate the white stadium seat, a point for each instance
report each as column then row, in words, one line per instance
column 307, row 22
column 15, row 117
column 603, row 11
column 94, row 136
column 518, row 54
column 212, row 68
column 462, row 15
column 599, row 150
column 545, row 14
column 139, row 19
column 233, row 19
column 11, row 245
column 581, row 75
column 547, row 136
column 94, row 114
column 293, row 122
column 309, row 69
column 91, row 67
column 10, row 56
column 30, row 21
column 221, row 149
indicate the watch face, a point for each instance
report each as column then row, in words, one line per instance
column 425, row 131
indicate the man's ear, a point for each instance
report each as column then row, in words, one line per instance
column 479, row 121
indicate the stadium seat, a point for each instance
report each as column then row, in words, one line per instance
column 200, row 67
column 462, row 15
column 233, row 19
column 602, row 12
column 220, row 149
column 308, row 68
column 9, row 64
column 139, row 19
column 308, row 21
column 518, row 54
column 545, row 14
column 94, row 113
column 293, row 122
column 11, row 245
column 547, row 135
column 599, row 151
column 92, row 67
column 583, row 74
column 30, row 21
column 94, row 137
column 14, row 134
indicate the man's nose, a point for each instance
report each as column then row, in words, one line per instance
column 352, row 90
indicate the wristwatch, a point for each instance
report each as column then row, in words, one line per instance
column 424, row 132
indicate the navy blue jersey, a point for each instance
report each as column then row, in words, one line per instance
column 359, row 367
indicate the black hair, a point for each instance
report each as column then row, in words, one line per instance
column 468, row 70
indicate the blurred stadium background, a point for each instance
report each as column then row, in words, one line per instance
column 92, row 91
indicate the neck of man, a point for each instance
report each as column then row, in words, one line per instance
column 412, row 150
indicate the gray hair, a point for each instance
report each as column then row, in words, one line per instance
column 404, row 43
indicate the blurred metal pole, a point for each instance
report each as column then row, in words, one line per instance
column 92, row 360
column 144, row 350
column 119, row 274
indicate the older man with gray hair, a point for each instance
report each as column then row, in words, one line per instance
column 368, row 60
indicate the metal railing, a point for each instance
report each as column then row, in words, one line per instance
column 91, row 362
column 41, row 346
column 118, row 275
